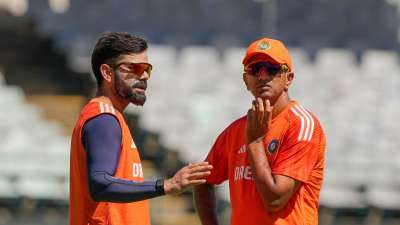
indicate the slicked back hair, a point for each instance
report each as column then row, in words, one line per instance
column 110, row 46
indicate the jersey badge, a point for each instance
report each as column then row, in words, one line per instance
column 273, row 146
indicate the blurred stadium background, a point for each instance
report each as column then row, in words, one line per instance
column 347, row 71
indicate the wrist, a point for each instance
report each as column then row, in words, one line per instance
column 167, row 186
column 257, row 140
column 160, row 186
column 170, row 186
column 256, row 144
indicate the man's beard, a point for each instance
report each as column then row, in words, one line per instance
column 129, row 94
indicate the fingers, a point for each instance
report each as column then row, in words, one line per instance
column 260, row 110
column 192, row 183
column 189, row 176
column 200, row 168
column 267, row 117
column 268, row 106
column 197, row 170
column 251, row 112
column 261, row 105
column 194, row 176
column 198, row 175
column 193, row 165
column 269, row 109
column 197, row 182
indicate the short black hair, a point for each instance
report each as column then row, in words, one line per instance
column 110, row 46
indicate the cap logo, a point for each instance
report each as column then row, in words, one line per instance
column 263, row 45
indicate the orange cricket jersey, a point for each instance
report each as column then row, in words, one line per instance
column 295, row 147
column 83, row 209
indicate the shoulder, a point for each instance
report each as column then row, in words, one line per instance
column 302, row 122
column 237, row 125
column 235, row 129
column 103, row 121
column 96, row 106
column 93, row 109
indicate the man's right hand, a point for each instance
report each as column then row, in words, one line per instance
column 187, row 177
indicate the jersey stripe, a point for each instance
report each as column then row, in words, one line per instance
column 104, row 107
column 101, row 107
column 112, row 110
column 308, row 123
column 299, row 138
column 312, row 123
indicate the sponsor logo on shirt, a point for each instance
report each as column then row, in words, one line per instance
column 243, row 173
column 137, row 170
column 242, row 149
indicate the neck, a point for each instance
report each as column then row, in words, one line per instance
column 112, row 97
column 280, row 104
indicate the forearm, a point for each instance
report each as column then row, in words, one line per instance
column 205, row 203
column 265, row 182
column 275, row 190
column 104, row 187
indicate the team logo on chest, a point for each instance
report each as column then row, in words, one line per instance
column 273, row 146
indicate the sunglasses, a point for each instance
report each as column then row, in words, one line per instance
column 272, row 69
column 136, row 68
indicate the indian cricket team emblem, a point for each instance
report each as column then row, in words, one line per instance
column 273, row 146
column 263, row 46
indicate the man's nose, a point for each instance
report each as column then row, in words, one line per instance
column 145, row 76
column 263, row 74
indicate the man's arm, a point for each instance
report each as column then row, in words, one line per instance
column 204, row 194
column 205, row 204
column 102, row 140
column 275, row 190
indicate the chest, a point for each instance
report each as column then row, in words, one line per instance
column 239, row 167
column 129, row 166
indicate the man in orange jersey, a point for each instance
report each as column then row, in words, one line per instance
column 107, row 184
column 274, row 156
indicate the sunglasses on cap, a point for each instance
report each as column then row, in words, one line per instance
column 272, row 69
column 136, row 68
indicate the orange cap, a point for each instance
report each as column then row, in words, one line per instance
column 270, row 50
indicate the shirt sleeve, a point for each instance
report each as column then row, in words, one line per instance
column 218, row 158
column 102, row 140
column 296, row 158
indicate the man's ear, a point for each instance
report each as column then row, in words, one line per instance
column 289, row 80
column 246, row 81
column 106, row 71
